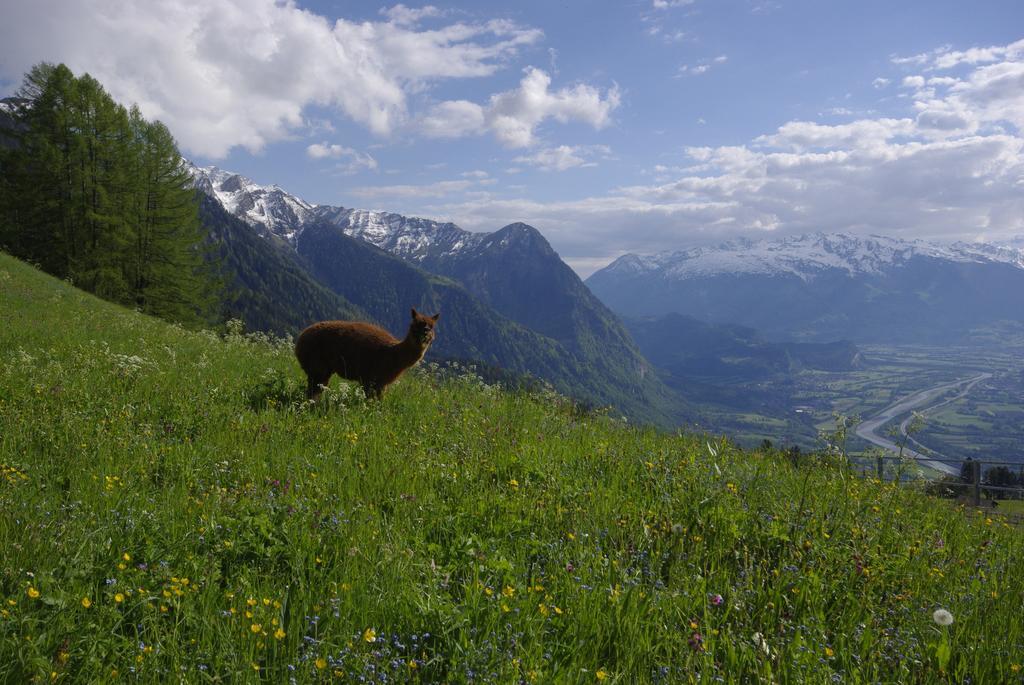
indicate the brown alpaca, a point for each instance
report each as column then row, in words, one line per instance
column 361, row 352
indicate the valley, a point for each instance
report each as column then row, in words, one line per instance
column 923, row 401
column 985, row 417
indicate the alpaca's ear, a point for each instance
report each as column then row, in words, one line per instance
column 414, row 313
column 435, row 317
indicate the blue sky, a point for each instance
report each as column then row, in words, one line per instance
column 612, row 127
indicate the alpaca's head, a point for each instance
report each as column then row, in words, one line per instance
column 421, row 328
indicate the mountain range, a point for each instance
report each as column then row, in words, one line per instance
column 826, row 287
column 507, row 299
column 655, row 336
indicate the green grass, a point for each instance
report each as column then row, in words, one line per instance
column 1011, row 507
column 171, row 511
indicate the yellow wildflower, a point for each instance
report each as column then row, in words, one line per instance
column 321, row 663
column 118, row 598
column 32, row 592
column 279, row 633
column 369, row 635
column 601, row 674
column 86, row 602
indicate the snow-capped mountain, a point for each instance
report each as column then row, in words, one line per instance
column 807, row 257
column 411, row 238
column 828, row 287
column 509, row 300
column 275, row 211
column 269, row 208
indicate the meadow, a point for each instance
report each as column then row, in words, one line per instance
column 172, row 511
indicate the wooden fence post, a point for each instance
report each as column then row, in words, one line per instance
column 880, row 467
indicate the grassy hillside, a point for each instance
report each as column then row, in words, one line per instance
column 169, row 512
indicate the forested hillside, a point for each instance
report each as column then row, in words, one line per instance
column 266, row 286
column 94, row 193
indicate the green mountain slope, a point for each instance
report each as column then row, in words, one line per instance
column 267, row 286
column 386, row 287
column 170, row 510
column 515, row 271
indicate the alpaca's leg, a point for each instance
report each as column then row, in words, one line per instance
column 372, row 390
column 315, row 385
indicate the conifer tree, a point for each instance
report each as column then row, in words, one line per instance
column 94, row 193
column 169, row 274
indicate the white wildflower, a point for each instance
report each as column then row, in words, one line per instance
column 942, row 617
column 760, row 642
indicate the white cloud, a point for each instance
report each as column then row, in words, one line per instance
column 470, row 185
column 513, row 116
column 668, row 4
column 702, row 67
column 453, row 119
column 351, row 160
column 801, row 135
column 952, row 58
column 945, row 57
column 667, row 35
column 880, row 82
column 241, row 72
column 407, row 16
column 993, row 93
column 765, row 7
column 952, row 167
column 437, row 189
column 564, row 157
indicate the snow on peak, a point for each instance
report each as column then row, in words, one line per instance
column 408, row 237
column 266, row 207
column 806, row 256
column 271, row 209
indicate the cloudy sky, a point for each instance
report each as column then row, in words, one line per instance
column 612, row 127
